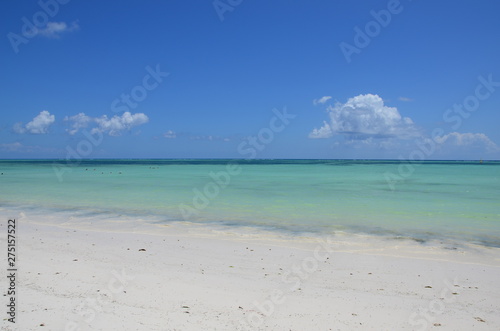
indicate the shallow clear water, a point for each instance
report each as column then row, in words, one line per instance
column 437, row 200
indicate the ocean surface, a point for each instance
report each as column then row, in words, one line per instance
column 453, row 201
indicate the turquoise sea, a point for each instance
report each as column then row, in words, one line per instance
column 455, row 201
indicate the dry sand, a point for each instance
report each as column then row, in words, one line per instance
column 188, row 277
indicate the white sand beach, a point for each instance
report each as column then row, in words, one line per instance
column 192, row 278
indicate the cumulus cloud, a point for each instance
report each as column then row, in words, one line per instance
column 366, row 123
column 39, row 125
column 78, row 122
column 115, row 125
column 55, row 29
column 323, row 132
column 363, row 117
column 321, row 100
column 476, row 140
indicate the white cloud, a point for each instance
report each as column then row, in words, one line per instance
column 39, row 125
column 170, row 134
column 115, row 125
column 363, row 117
column 476, row 140
column 54, row 29
column 324, row 132
column 321, row 100
column 78, row 121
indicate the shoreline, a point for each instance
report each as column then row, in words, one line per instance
column 187, row 278
column 83, row 218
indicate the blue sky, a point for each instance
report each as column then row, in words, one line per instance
column 250, row 79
